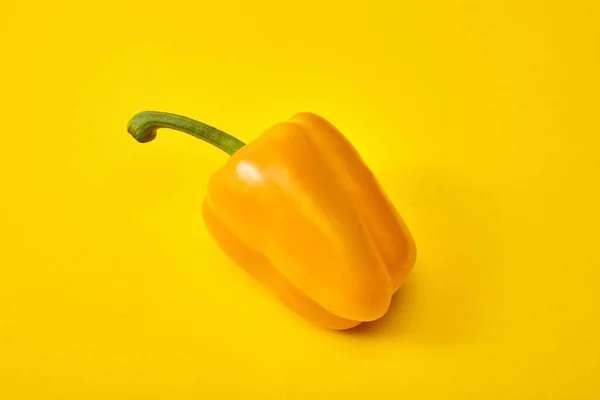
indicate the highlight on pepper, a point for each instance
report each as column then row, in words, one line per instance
column 299, row 210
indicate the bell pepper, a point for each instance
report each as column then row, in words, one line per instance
column 300, row 211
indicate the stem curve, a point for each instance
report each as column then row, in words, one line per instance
column 144, row 125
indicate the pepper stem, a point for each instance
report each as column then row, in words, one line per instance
column 143, row 127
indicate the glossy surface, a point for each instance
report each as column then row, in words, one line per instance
column 308, row 217
column 479, row 118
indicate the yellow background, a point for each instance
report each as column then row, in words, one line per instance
column 480, row 118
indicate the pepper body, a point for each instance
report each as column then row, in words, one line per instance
column 300, row 211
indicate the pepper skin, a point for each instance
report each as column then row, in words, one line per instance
column 300, row 211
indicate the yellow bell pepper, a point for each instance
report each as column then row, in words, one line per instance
column 300, row 211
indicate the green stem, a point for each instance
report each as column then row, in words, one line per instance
column 143, row 127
